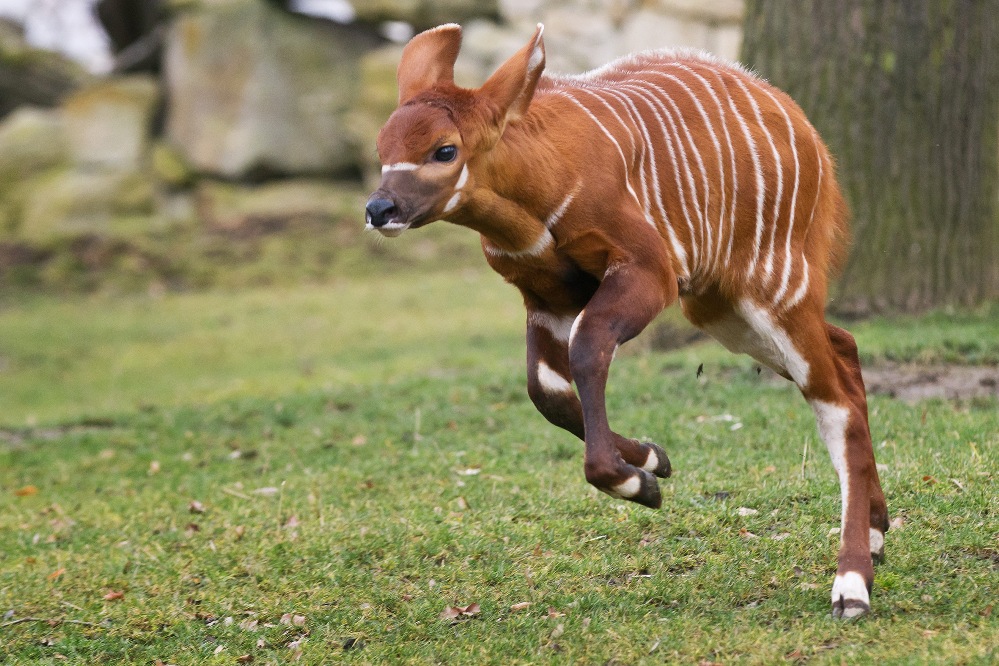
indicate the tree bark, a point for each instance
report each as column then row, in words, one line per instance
column 906, row 95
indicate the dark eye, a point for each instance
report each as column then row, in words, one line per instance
column 446, row 154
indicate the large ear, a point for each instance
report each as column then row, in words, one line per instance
column 511, row 87
column 428, row 59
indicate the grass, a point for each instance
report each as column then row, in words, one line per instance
column 315, row 473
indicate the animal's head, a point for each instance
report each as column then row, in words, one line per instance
column 439, row 129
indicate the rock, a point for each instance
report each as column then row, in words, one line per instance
column 239, row 208
column 32, row 140
column 108, row 123
column 423, row 14
column 75, row 202
column 30, row 76
column 255, row 91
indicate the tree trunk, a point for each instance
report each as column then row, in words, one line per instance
column 906, row 94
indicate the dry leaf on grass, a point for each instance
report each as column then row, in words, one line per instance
column 26, row 491
column 113, row 595
column 196, row 507
column 456, row 612
column 523, row 605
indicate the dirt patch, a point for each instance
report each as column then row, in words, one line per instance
column 912, row 383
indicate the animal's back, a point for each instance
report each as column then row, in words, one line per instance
column 726, row 166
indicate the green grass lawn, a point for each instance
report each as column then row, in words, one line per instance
column 317, row 473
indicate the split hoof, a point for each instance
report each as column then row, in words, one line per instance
column 850, row 597
column 642, row 488
column 657, row 463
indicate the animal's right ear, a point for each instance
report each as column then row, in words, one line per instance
column 428, row 59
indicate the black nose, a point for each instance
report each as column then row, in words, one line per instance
column 380, row 211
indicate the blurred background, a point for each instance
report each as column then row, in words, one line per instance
column 149, row 143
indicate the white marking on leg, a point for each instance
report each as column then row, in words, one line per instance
column 877, row 541
column 452, row 202
column 832, row 421
column 777, row 347
column 400, row 166
column 551, row 381
column 652, row 462
column 558, row 326
column 462, row 179
column 575, row 327
column 851, row 587
column 628, row 488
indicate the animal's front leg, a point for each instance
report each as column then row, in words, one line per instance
column 626, row 301
column 549, row 383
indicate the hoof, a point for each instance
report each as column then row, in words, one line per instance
column 642, row 489
column 877, row 546
column 850, row 598
column 657, row 462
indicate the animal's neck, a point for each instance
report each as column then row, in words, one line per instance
column 521, row 182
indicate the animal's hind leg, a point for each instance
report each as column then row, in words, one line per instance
column 846, row 350
column 822, row 360
column 835, row 390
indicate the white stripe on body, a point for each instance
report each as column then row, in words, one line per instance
column 735, row 182
column 559, row 212
column 679, row 251
column 792, row 140
column 678, row 154
column 634, row 148
column 639, row 148
column 757, row 167
column 803, row 288
column 711, row 250
column 768, row 264
column 624, row 160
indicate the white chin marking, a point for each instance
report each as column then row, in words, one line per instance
column 651, row 462
column 391, row 231
column 851, row 587
column 877, row 542
column 628, row 488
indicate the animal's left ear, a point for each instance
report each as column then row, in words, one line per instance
column 511, row 87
